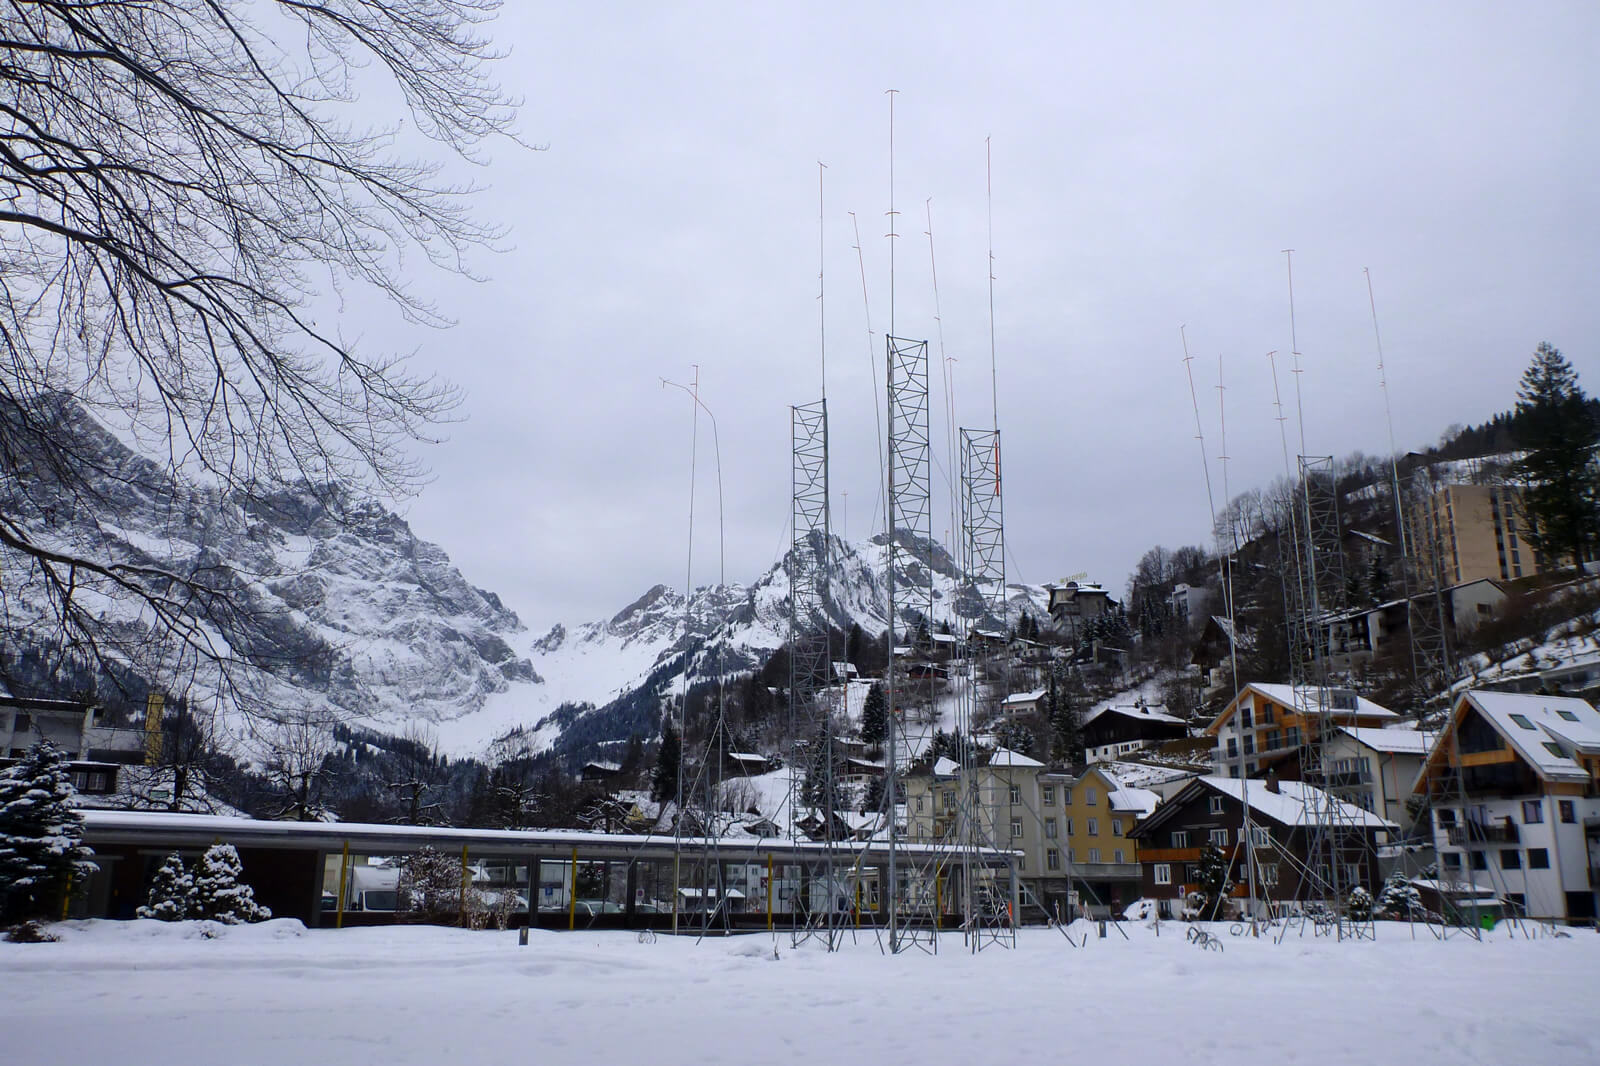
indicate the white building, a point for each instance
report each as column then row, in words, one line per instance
column 1511, row 784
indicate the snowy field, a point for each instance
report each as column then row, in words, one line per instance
column 143, row 992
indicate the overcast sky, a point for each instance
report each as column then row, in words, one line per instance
column 1149, row 167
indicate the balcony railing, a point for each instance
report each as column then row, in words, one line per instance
column 1500, row 831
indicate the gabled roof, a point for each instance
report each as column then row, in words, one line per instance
column 1025, row 697
column 1295, row 805
column 1013, row 759
column 1135, row 712
column 1392, row 741
column 1305, row 699
column 1567, row 723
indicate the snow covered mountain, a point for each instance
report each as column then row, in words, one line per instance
column 593, row 674
column 362, row 622
column 355, row 617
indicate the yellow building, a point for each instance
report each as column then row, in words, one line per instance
column 1476, row 531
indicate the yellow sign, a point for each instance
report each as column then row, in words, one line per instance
column 152, row 728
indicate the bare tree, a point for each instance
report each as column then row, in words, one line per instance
column 416, row 774
column 180, row 185
column 296, row 750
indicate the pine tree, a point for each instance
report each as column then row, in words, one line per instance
column 1399, row 899
column 1358, row 905
column 219, row 895
column 819, row 789
column 42, row 854
column 875, row 716
column 1213, row 881
column 1558, row 474
column 172, row 896
column 664, row 780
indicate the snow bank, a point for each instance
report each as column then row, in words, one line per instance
column 130, row 992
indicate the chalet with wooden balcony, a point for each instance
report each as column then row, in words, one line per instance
column 1285, row 818
column 1265, row 721
column 1513, row 786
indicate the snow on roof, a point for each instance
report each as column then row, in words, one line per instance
column 1296, row 803
column 601, row 764
column 1025, row 697
column 943, row 767
column 746, row 756
column 1396, row 741
column 1007, row 757
column 1136, row 801
column 942, row 638
column 1373, row 537
column 1544, row 730
column 1138, row 774
column 1148, row 714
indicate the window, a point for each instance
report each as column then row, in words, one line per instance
column 919, row 803
column 1216, row 805
column 1510, row 859
column 1066, row 797
column 1522, row 720
column 1116, row 827
column 1568, row 715
column 1233, row 747
column 1015, row 794
column 1352, row 874
column 1116, row 856
column 1219, row 837
column 1094, row 854
column 1447, row 817
column 1250, row 744
column 1274, row 740
column 1088, row 796
column 1069, row 827
column 1245, row 719
column 1094, row 827
column 1180, row 838
column 1016, row 828
column 1260, row 836
column 949, row 799
column 1452, row 859
column 1049, row 795
column 1538, row 859
column 1554, row 749
column 1532, row 812
column 1052, row 859
column 1163, row 873
column 1022, row 863
column 1269, row 873
column 1480, row 860
column 1292, row 736
column 1050, row 828
column 1569, row 813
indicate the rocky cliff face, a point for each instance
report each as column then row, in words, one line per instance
column 352, row 615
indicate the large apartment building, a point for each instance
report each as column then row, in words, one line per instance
column 1476, row 531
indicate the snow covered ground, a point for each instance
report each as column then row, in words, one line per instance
column 143, row 992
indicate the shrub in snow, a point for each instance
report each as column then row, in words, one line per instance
column 1214, row 882
column 30, row 932
column 430, row 885
column 1358, row 905
column 42, row 854
column 172, row 897
column 219, row 895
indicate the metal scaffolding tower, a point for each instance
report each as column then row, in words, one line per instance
column 985, row 920
column 810, row 669
column 912, row 917
column 1337, row 845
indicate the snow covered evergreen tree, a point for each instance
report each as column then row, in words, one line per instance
column 219, row 894
column 1213, row 881
column 42, row 854
column 1358, row 905
column 1399, row 899
column 172, row 897
column 875, row 716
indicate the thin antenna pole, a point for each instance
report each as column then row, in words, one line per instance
column 683, row 703
column 892, row 93
column 822, row 302
column 872, row 364
column 994, row 387
column 1294, row 350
